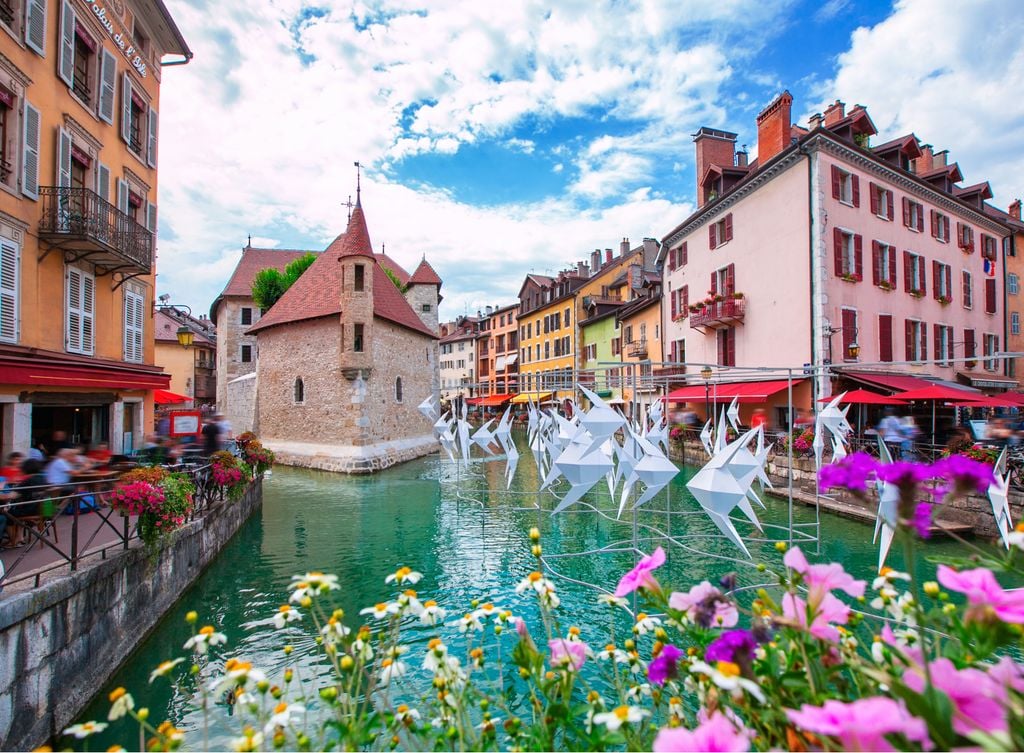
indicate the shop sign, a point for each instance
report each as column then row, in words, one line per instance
column 122, row 39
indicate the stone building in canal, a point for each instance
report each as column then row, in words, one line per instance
column 345, row 358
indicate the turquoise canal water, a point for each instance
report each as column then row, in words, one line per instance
column 466, row 535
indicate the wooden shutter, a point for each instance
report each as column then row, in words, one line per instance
column 134, row 324
column 949, row 342
column 108, row 83
column 990, row 295
column 936, row 279
column 151, row 218
column 66, row 51
column 937, row 339
column 122, row 196
column 890, row 202
column 675, row 305
column 892, row 266
column 712, row 239
column 873, row 198
column 876, row 262
column 906, row 211
column 969, row 346
column 884, row 337
column 858, row 257
column 960, row 234
column 683, row 255
column 934, row 219
column 8, row 291
column 968, row 298
column 908, row 283
column 714, row 283
column 63, row 158
column 948, row 275
column 671, row 260
column 923, row 334
column 909, row 330
column 837, row 244
column 920, row 218
column 730, row 279
column 684, row 302
column 73, row 337
column 923, row 281
column 35, row 25
column 126, row 108
column 30, row 152
column 728, row 226
column 151, row 145
column 856, row 190
column 103, row 181
column 849, row 331
column 837, row 182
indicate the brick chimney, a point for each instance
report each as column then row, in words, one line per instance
column 608, row 256
column 834, row 113
column 624, row 247
column 714, row 147
column 1015, row 209
column 773, row 127
column 926, row 161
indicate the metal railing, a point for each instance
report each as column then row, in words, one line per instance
column 96, row 528
column 78, row 213
column 637, row 348
column 721, row 312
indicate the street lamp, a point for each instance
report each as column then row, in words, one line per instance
column 186, row 337
column 706, row 373
column 852, row 350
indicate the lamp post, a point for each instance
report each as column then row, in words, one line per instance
column 186, row 337
column 706, row 373
column 852, row 350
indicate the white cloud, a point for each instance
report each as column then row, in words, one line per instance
column 950, row 72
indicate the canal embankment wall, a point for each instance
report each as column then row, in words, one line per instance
column 60, row 642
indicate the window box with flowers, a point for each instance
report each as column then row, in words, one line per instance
column 851, row 277
column 945, row 300
column 886, row 286
column 917, row 294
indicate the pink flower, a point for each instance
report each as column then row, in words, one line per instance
column 863, row 724
column 706, row 606
column 984, row 594
column 820, row 579
column 569, row 654
column 640, row 576
column 979, row 699
column 1008, row 673
column 715, row 734
column 830, row 611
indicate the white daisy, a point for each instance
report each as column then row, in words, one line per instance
column 391, row 669
column 467, row 622
column 622, row 715
column 283, row 716
column 164, row 668
column 726, row 675
column 645, row 624
column 406, row 716
column 284, row 615
column 404, row 575
column 206, row 637
column 381, row 611
column 432, row 614
column 85, row 729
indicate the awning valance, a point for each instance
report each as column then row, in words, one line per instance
column 890, row 382
column 525, row 397
column 496, row 399
column 747, row 392
column 988, row 381
column 166, row 397
column 499, row 363
column 60, row 375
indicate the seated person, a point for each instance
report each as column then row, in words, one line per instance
column 100, row 454
column 59, row 470
column 24, row 498
column 12, row 471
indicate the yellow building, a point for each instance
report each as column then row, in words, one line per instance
column 79, row 103
column 192, row 368
column 640, row 328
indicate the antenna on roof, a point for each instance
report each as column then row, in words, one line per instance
column 358, row 187
column 249, row 244
column 349, row 204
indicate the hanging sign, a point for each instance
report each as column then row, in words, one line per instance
column 121, row 38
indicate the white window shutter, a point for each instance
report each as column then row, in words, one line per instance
column 122, row 195
column 73, row 338
column 30, row 152
column 66, row 53
column 151, row 148
column 63, row 158
column 35, row 26
column 126, row 108
column 88, row 312
column 133, row 325
column 108, row 82
column 8, row 291
column 151, row 218
column 103, row 181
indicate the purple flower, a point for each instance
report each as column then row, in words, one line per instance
column 852, row 472
column 569, row 654
column 640, row 576
column 715, row 734
column 863, row 724
column 706, row 606
column 665, row 665
column 922, row 520
column 966, row 473
column 902, row 473
column 984, row 594
column 736, row 646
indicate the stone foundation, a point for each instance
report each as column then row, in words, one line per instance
column 349, row 458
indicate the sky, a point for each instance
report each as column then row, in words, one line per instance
column 502, row 138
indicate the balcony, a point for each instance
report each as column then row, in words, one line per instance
column 637, row 349
column 720, row 314
column 206, row 387
column 80, row 223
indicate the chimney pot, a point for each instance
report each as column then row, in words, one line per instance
column 595, row 259
column 774, row 127
column 608, row 256
column 815, row 121
column 1015, row 209
column 926, row 161
column 624, row 247
column 834, row 113
column 741, row 157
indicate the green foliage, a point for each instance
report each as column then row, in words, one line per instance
column 270, row 284
column 294, row 269
column 394, row 278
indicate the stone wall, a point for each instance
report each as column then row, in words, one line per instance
column 61, row 642
column 230, row 338
column 397, row 352
column 241, row 411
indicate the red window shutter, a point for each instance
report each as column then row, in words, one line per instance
column 920, row 218
column 837, row 178
column 936, row 276
column 837, row 237
column 990, row 295
column 712, row 240
column 714, row 283
column 910, row 340
column 858, row 257
column 889, row 201
column 684, row 305
column 876, row 262
column 672, row 351
column 908, row 284
column 884, row 337
column 965, row 281
column 934, row 218
column 960, row 234
column 730, row 279
column 675, row 310
column 849, row 325
column 969, row 351
column 924, row 341
column 937, row 338
column 949, row 341
column 728, row 226
column 671, row 260
column 730, row 340
column 873, row 198
column 923, row 282
column 949, row 280
column 892, row 265
column 945, row 228
column 856, row 190
column 683, row 255
column 906, row 211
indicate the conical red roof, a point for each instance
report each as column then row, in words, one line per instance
column 356, row 240
column 425, row 275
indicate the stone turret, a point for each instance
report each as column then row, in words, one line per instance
column 424, row 294
column 358, row 268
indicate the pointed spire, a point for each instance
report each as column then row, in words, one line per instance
column 425, row 274
column 358, row 186
column 356, row 241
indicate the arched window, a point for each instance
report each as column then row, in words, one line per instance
column 300, row 391
column 398, row 389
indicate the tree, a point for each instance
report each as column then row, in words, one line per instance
column 270, row 284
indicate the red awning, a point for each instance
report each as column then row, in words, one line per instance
column 166, row 397
column 496, row 399
column 747, row 392
column 473, row 400
column 891, row 382
column 23, row 371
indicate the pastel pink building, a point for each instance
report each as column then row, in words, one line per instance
column 828, row 249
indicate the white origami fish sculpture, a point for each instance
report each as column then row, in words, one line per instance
column 998, row 491
column 888, row 509
column 705, row 438
column 653, row 470
column 429, row 408
column 718, row 492
column 484, row 437
column 582, row 467
column 733, row 412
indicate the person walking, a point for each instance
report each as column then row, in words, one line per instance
column 891, row 430
column 909, row 432
column 211, row 437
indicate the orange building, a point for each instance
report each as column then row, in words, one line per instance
column 497, row 351
column 79, row 103
column 640, row 330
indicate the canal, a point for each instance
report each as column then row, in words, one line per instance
column 466, row 535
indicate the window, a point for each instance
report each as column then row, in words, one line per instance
column 462, row 345
column 940, row 226
column 7, row 113
column 616, row 346
column 943, row 344
column 723, row 280
column 138, row 122
column 917, row 343
column 883, row 265
column 1014, row 323
column 881, row 202
column 590, row 352
column 246, row 354
column 426, row 308
column 398, row 389
column 76, row 61
column 970, row 350
column 246, row 315
column 727, row 347
column 81, row 300
column 8, row 15
column 84, row 64
column 989, row 247
column 1012, row 284
column 720, row 232
column 300, row 392
column 942, row 282
column 359, row 283
column 627, row 334
column 913, row 274
column 849, row 258
column 913, row 215
column 845, row 186
column 849, row 334
column 565, row 317
column 680, row 303
column 965, row 237
column 134, row 324
column 677, row 257
column 990, row 295
column 677, row 351
column 968, row 290
column 10, row 258
column 991, row 347
column 885, row 337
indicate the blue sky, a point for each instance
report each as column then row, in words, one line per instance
column 499, row 138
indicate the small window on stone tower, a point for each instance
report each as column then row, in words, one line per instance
column 357, row 338
column 398, row 389
column 357, row 284
column 426, row 308
column 300, row 391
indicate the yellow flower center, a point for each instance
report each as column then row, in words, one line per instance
column 410, row 593
column 284, row 608
column 593, row 696
column 885, row 571
column 487, row 607
column 402, row 709
column 1019, row 528
column 430, row 603
column 535, row 576
column 281, row 707
column 387, row 663
column 434, row 643
column 641, row 617
column 610, row 647
column 206, row 630
column 380, row 607
column 476, row 653
column 728, row 668
column 118, row 693
column 163, row 729
column 300, row 586
column 622, row 712
column 574, row 630
column 675, row 699
column 234, row 664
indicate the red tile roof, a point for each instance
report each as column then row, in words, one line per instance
column 388, row 263
column 165, row 329
column 425, row 275
column 252, row 261
column 317, row 293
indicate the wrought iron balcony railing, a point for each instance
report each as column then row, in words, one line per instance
column 78, row 220
column 637, row 348
column 719, row 315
